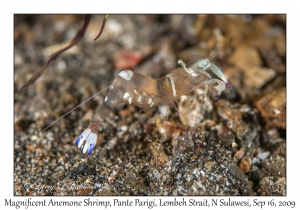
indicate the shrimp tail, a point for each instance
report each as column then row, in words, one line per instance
column 87, row 140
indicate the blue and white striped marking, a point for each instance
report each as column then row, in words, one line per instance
column 86, row 141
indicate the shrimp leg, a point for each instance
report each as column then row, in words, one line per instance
column 219, row 87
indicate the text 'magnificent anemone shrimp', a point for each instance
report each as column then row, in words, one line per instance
column 134, row 88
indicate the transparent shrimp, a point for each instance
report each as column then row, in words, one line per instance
column 134, row 88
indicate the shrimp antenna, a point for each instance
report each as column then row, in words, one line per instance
column 101, row 30
column 75, row 108
column 214, row 55
column 73, row 42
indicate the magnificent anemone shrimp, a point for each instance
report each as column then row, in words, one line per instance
column 134, row 88
column 137, row 89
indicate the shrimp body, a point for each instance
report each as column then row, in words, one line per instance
column 134, row 88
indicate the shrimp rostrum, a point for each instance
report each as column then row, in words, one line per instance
column 134, row 88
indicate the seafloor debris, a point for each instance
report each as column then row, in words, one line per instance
column 272, row 107
column 83, row 169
